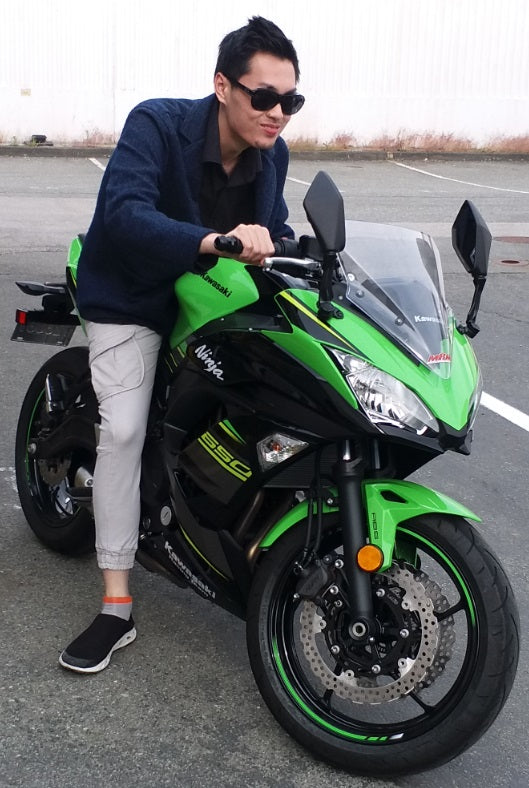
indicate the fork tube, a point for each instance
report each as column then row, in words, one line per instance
column 349, row 474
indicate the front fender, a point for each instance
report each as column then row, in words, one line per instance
column 387, row 503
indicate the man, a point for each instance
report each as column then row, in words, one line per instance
column 182, row 173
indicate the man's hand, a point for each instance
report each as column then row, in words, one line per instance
column 256, row 243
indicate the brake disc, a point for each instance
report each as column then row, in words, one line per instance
column 420, row 596
column 54, row 471
column 446, row 632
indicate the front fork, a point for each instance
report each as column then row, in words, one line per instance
column 349, row 474
column 375, row 508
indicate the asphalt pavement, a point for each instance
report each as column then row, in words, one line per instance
column 179, row 707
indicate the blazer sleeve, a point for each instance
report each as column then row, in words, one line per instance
column 132, row 193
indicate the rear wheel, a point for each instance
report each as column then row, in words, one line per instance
column 44, row 484
column 430, row 682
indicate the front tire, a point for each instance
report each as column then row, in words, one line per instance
column 43, row 485
column 431, row 683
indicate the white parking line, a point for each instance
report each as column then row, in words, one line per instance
column 11, row 479
column 513, row 415
column 295, row 180
column 305, row 183
column 456, row 180
column 98, row 164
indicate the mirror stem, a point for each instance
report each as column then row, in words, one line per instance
column 326, row 308
column 471, row 328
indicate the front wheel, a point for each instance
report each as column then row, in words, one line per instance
column 43, row 484
column 420, row 692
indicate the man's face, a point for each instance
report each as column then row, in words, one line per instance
column 241, row 124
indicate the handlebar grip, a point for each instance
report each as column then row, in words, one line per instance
column 287, row 247
column 228, row 244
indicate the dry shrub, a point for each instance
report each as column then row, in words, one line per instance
column 302, row 144
column 427, row 142
column 519, row 144
column 94, row 138
column 341, row 141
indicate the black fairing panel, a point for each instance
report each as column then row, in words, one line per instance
column 232, row 390
column 265, row 380
column 244, row 380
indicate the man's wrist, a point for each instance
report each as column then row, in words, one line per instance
column 207, row 244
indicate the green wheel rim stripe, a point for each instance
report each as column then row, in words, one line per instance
column 308, row 711
column 456, row 573
column 329, row 726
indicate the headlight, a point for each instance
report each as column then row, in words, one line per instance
column 385, row 399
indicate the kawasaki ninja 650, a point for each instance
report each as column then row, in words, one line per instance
column 291, row 402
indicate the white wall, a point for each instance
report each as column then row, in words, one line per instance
column 72, row 69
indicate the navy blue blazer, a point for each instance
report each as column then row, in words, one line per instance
column 146, row 229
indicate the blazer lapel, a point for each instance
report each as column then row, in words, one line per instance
column 193, row 133
column 265, row 190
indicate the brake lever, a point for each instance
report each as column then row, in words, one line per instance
column 306, row 265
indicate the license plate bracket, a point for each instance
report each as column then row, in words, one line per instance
column 44, row 332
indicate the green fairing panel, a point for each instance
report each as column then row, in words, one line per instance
column 202, row 298
column 449, row 398
column 309, row 348
column 303, row 347
column 387, row 503
column 74, row 252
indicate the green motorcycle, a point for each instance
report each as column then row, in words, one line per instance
column 290, row 404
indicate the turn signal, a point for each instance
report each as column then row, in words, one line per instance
column 370, row 558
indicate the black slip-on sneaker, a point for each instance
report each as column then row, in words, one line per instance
column 91, row 651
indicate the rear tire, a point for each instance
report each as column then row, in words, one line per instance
column 445, row 657
column 52, row 515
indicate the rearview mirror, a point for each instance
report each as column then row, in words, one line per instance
column 471, row 239
column 324, row 207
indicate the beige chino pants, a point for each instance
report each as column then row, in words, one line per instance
column 123, row 364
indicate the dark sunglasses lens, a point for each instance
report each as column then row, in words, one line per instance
column 292, row 104
column 263, row 100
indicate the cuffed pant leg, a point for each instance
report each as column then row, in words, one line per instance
column 123, row 364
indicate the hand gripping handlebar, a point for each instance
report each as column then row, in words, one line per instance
column 286, row 252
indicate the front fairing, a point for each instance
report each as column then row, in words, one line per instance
column 395, row 317
column 451, row 398
column 393, row 276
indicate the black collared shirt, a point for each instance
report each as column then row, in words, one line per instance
column 226, row 200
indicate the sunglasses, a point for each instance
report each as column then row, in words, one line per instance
column 264, row 99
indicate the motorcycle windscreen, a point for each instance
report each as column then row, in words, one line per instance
column 394, row 277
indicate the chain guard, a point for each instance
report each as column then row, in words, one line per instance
column 423, row 597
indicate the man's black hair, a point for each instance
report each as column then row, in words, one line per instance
column 260, row 35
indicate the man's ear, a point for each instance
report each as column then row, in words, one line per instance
column 221, row 85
